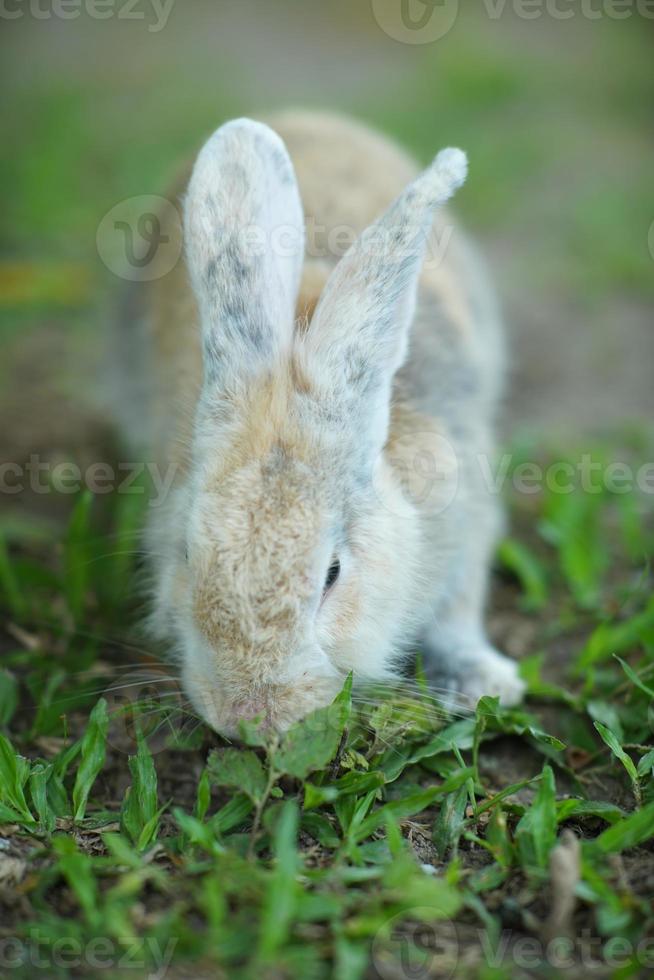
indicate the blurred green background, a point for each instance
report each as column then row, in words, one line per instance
column 554, row 113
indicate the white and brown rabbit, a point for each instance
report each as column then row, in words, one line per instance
column 326, row 409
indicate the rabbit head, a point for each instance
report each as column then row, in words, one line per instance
column 295, row 548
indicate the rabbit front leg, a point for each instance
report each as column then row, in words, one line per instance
column 460, row 663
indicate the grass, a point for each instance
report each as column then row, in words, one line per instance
column 379, row 832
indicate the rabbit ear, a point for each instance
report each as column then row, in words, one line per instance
column 358, row 334
column 244, row 233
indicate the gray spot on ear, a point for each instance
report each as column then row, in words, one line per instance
column 283, row 169
column 230, row 279
column 238, row 173
column 362, row 378
column 228, row 264
column 237, row 325
column 239, row 188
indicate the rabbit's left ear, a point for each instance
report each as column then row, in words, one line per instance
column 359, row 331
column 244, row 235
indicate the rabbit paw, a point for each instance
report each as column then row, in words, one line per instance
column 479, row 672
column 491, row 673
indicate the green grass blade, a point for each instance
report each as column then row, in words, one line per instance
column 281, row 894
column 11, row 590
column 611, row 638
column 77, row 555
column 14, row 773
column 530, row 572
column 634, row 678
column 536, row 832
column 77, row 869
column 93, row 751
column 635, row 829
column 8, row 697
column 611, row 739
column 140, row 810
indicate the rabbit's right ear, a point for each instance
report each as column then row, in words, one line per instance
column 244, row 235
column 359, row 332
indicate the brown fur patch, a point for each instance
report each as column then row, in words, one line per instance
column 263, row 520
column 314, row 277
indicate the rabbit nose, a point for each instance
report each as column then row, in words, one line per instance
column 250, row 709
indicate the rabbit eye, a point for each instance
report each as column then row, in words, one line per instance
column 332, row 574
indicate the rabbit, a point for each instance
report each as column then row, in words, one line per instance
column 322, row 373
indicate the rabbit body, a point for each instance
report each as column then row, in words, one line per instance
column 328, row 410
